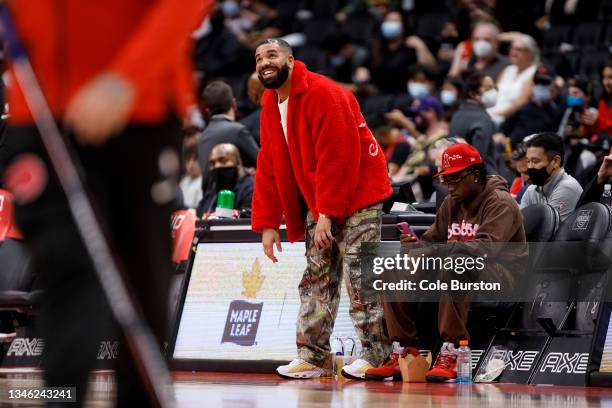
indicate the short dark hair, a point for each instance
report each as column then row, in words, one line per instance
column 218, row 97
column 472, row 84
column 519, row 152
column 550, row 142
column 278, row 41
column 481, row 168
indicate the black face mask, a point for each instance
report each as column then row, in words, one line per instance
column 225, row 178
column 538, row 176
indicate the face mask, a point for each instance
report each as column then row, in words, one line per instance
column 337, row 60
column 489, row 98
column 391, row 29
column 482, row 48
column 575, row 101
column 225, row 178
column 448, row 98
column 538, row 176
column 418, row 89
column 230, row 9
column 541, row 93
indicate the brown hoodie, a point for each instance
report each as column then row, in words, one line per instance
column 493, row 216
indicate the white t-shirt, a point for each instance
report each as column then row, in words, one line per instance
column 282, row 107
column 192, row 191
column 510, row 87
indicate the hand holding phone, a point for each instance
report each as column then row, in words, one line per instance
column 406, row 233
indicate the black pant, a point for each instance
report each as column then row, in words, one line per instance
column 74, row 314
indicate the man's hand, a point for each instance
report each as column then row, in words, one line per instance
column 406, row 238
column 605, row 171
column 323, row 236
column 100, row 109
column 269, row 238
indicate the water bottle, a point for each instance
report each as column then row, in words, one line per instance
column 464, row 362
column 606, row 197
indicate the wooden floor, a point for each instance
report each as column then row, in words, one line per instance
column 258, row 391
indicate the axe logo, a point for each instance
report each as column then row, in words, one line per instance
column 108, row 350
column 570, row 363
column 519, row 360
column 26, row 347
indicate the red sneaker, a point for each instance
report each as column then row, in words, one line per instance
column 390, row 369
column 445, row 367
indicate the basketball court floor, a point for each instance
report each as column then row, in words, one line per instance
column 231, row 390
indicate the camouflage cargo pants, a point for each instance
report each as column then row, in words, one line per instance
column 320, row 291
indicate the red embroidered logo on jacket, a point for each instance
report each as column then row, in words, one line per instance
column 464, row 231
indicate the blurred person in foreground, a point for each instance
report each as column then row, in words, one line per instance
column 318, row 156
column 120, row 121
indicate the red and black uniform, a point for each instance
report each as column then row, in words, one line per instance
column 70, row 42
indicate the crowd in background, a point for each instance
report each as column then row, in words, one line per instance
column 488, row 72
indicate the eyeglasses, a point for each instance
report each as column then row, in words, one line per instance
column 453, row 178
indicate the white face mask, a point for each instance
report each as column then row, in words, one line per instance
column 482, row 49
column 489, row 98
column 448, row 97
column 418, row 89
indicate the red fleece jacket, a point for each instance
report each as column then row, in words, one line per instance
column 330, row 155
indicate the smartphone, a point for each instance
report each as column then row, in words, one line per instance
column 404, row 228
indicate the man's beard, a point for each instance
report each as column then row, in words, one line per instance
column 278, row 81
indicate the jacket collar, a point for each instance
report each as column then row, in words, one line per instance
column 299, row 85
column 550, row 186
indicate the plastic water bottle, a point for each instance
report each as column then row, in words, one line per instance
column 464, row 362
column 606, row 197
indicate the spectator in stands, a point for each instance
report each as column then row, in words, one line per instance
column 343, row 58
column 223, row 128
column 449, row 96
column 550, row 183
column 472, row 123
column 521, row 182
column 422, row 81
column 576, row 127
column 218, row 53
column 481, row 211
column 603, row 124
column 593, row 191
column 254, row 92
column 579, row 117
column 485, row 56
column 427, row 126
column 393, row 52
column 191, row 184
column 541, row 114
column 515, row 83
column 226, row 173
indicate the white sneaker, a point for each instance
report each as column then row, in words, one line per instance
column 300, row 369
column 356, row 370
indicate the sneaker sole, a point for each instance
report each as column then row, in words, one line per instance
column 374, row 377
column 302, row 376
column 351, row 376
column 437, row 379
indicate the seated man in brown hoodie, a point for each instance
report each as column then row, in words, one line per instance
column 479, row 210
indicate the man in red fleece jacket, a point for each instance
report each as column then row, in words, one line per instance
column 317, row 154
column 114, row 74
